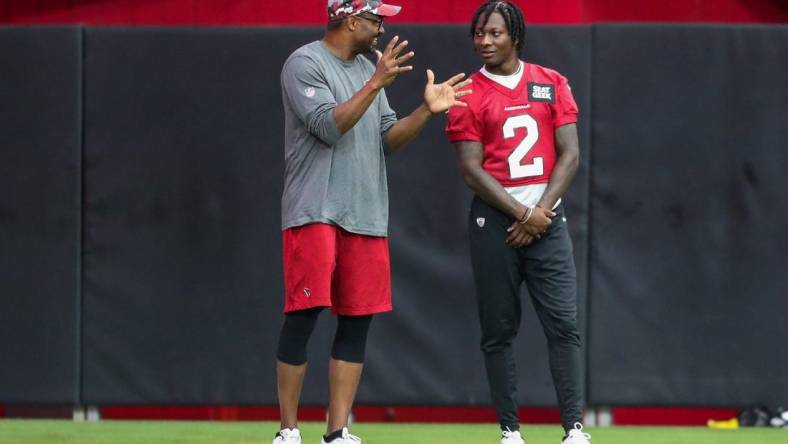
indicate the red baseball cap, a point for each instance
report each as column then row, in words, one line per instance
column 339, row 9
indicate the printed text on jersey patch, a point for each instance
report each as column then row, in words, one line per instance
column 541, row 92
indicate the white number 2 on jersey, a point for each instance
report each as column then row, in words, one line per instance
column 516, row 169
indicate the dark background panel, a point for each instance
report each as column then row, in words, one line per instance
column 182, row 174
column 689, row 216
column 40, row 151
column 435, row 307
column 182, row 244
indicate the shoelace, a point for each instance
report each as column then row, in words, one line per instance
column 508, row 433
column 578, row 430
column 289, row 435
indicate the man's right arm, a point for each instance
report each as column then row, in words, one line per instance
column 316, row 106
column 347, row 114
column 470, row 156
column 306, row 92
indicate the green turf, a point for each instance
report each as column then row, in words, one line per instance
column 153, row 432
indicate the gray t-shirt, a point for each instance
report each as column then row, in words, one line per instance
column 333, row 178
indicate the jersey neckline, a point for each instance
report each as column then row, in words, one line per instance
column 513, row 93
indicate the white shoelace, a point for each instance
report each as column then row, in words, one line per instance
column 578, row 431
column 289, row 435
column 508, row 433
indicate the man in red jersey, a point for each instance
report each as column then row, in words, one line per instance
column 518, row 151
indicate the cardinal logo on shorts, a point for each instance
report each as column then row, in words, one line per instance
column 307, row 292
column 480, row 222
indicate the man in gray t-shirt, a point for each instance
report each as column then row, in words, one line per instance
column 338, row 129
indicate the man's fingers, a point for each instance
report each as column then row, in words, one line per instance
column 512, row 230
column 463, row 93
column 455, row 78
column 405, row 58
column 379, row 54
column 548, row 213
column 522, row 241
column 405, row 68
column 430, row 77
column 399, row 48
column 391, row 44
column 463, row 84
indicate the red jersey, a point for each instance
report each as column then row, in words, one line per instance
column 515, row 126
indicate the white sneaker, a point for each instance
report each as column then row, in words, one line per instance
column 509, row 437
column 346, row 438
column 288, row 436
column 576, row 436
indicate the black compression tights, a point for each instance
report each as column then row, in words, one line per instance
column 349, row 342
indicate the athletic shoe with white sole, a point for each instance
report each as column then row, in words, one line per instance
column 509, row 437
column 346, row 438
column 287, row 436
column 577, row 436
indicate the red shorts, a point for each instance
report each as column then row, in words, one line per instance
column 326, row 266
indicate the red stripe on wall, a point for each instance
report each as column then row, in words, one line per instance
column 313, row 12
column 669, row 415
column 630, row 416
column 451, row 414
column 213, row 413
column 361, row 413
column 680, row 416
column 734, row 11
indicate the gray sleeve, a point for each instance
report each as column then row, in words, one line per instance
column 306, row 90
column 388, row 117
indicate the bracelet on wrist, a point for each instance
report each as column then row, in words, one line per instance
column 527, row 215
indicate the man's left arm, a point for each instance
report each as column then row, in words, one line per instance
column 567, row 150
column 437, row 98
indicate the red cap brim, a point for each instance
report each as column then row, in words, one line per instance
column 386, row 10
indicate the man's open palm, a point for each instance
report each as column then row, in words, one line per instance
column 443, row 96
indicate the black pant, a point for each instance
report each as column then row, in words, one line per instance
column 548, row 270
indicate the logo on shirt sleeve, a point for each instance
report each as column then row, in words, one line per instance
column 309, row 91
column 541, row 92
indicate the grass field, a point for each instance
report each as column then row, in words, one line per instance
column 153, row 432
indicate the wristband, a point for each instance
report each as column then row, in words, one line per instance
column 527, row 216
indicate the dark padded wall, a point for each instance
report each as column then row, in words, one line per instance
column 183, row 176
column 182, row 246
column 40, row 151
column 689, row 215
column 678, row 218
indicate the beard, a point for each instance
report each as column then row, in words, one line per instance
column 369, row 46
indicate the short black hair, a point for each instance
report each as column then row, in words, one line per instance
column 512, row 15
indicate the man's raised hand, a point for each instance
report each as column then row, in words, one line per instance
column 389, row 62
column 441, row 97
